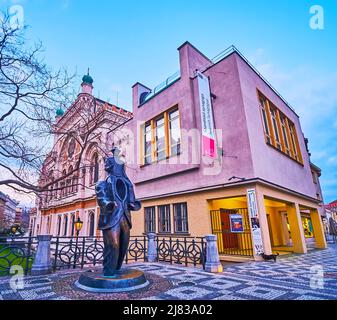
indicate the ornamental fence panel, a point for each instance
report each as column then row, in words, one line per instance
column 80, row 252
column 17, row 252
column 181, row 250
column 74, row 252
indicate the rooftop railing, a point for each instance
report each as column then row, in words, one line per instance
column 222, row 55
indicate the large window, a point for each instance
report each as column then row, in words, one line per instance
column 147, row 144
column 150, row 220
column 72, row 233
column 164, row 219
column 59, row 225
column 161, row 137
column 273, row 114
column 174, row 133
column 65, row 225
column 180, row 218
column 91, row 222
column 94, row 169
column 264, row 109
column 279, row 131
column 284, row 126
column 294, row 141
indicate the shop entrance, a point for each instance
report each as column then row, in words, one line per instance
column 283, row 231
column 233, row 231
column 278, row 225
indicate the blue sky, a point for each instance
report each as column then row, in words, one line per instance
column 128, row 41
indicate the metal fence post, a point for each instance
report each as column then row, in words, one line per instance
column 152, row 248
column 42, row 262
column 213, row 263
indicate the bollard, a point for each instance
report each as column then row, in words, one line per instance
column 213, row 263
column 42, row 261
column 152, row 248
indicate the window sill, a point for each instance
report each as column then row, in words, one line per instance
column 182, row 234
column 176, row 234
column 160, row 161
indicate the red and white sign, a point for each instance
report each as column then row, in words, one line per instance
column 207, row 121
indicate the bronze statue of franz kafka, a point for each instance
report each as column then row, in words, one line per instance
column 116, row 198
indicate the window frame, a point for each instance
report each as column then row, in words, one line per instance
column 150, row 222
column 170, row 121
column 167, row 137
column 265, row 119
column 184, row 218
column 275, row 125
column 163, row 127
column 167, row 218
column 279, row 133
column 285, row 134
column 145, row 133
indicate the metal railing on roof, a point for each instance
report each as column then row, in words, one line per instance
column 163, row 85
column 222, row 55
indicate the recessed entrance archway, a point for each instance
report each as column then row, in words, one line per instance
column 231, row 225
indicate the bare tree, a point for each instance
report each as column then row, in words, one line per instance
column 29, row 94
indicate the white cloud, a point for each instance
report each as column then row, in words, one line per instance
column 65, row 4
column 332, row 160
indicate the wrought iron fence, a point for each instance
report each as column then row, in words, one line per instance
column 73, row 252
column 181, row 250
column 80, row 252
column 17, row 251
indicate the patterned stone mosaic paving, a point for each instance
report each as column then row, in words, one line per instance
column 290, row 278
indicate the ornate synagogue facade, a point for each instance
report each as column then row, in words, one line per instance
column 83, row 137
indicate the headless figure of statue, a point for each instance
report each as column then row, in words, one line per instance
column 116, row 198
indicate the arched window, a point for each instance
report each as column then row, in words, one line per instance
column 94, row 169
column 65, row 225
column 59, row 225
column 91, row 223
column 72, row 225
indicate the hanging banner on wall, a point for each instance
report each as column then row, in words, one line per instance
column 207, row 119
column 236, row 223
column 255, row 223
column 252, row 207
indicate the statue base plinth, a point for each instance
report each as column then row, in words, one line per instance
column 124, row 280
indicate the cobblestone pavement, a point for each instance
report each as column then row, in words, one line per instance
column 290, row 278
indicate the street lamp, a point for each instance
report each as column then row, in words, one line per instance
column 78, row 226
column 14, row 229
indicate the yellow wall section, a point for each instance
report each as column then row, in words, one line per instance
column 199, row 205
column 198, row 209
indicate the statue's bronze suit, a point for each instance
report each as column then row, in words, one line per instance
column 116, row 199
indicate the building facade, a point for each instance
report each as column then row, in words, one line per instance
column 8, row 208
column 230, row 159
column 214, row 149
column 82, row 139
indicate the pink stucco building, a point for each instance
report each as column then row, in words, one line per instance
column 256, row 193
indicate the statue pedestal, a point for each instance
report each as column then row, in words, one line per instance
column 124, row 280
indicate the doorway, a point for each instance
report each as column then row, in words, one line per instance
column 232, row 242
